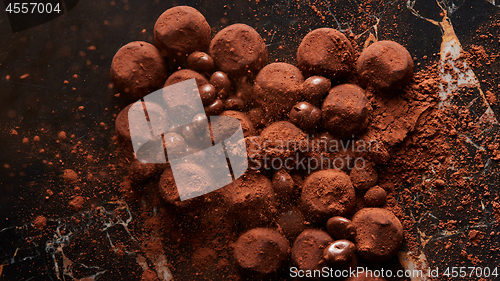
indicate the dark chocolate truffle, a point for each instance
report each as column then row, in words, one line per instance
column 379, row 233
column 327, row 193
column 375, row 196
column 200, row 62
column 307, row 250
column 315, row 89
column 238, row 49
column 282, row 140
column 283, row 185
column 277, row 89
column 221, row 82
column 261, row 251
column 180, row 31
column 345, row 110
column 138, row 69
column 364, row 177
column 208, row 94
column 325, row 51
column 385, row 65
column 246, row 124
column 341, row 228
column 305, row 115
column 291, row 223
column 339, row 252
column 185, row 74
column 215, row 108
column 234, row 103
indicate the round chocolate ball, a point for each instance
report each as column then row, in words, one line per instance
column 181, row 30
column 221, row 82
column 327, row 193
column 185, row 74
column 305, row 115
column 200, row 62
column 208, row 94
column 341, row 228
column 174, row 144
column 138, row 69
column 315, row 89
column 215, row 108
column 379, row 233
column 291, row 223
column 385, row 65
column 325, row 51
column 277, row 89
column 234, row 103
column 364, row 177
column 282, row 140
column 345, row 110
column 224, row 129
column 261, row 251
column 238, row 49
column 307, row 250
column 339, row 252
column 284, row 185
column 375, row 196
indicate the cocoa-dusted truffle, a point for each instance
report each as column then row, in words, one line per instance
column 200, row 62
column 341, row 228
column 305, row 115
column 261, row 251
column 138, row 69
column 250, row 199
column 364, row 177
column 185, row 74
column 224, row 129
column 281, row 140
column 327, row 193
column 180, row 31
column 339, row 252
column 315, row 89
column 238, row 49
column 375, row 196
column 325, row 51
column 277, row 89
column 307, row 250
column 379, row 233
column 385, row 65
column 345, row 110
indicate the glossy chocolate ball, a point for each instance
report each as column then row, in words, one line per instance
column 200, row 62
column 339, row 252
column 234, row 103
column 215, row 108
column 315, row 89
column 208, row 94
column 221, row 82
column 305, row 115
column 341, row 228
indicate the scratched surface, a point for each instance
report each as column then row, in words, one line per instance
column 51, row 54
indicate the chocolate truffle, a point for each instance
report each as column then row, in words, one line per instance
column 291, row 223
column 305, row 115
column 185, row 74
column 364, row 177
column 327, row 193
column 341, row 228
column 221, row 82
column 345, row 110
column 224, row 129
column 200, row 62
column 277, row 89
column 138, row 69
column 180, row 31
column 307, row 250
column 283, row 185
column 281, row 140
column 375, row 196
column 379, row 233
column 122, row 124
column 315, row 89
column 325, row 51
column 339, row 252
column 385, row 65
column 208, row 94
column 238, row 49
column 250, row 199
column 170, row 194
column 261, row 251
column 139, row 172
column 234, row 103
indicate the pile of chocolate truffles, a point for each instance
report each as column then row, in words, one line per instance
column 289, row 217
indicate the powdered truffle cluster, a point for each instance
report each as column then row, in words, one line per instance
column 307, row 218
